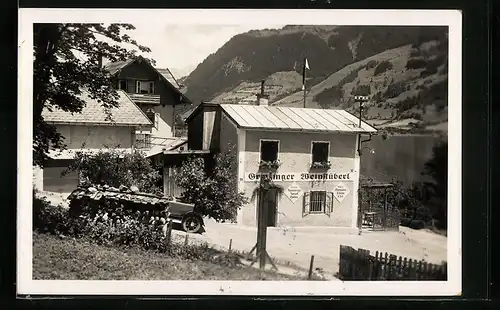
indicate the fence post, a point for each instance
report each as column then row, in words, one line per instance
column 186, row 240
column 400, row 267
column 424, row 273
column 168, row 238
column 386, row 258
column 230, row 244
column 419, row 270
column 405, row 267
column 311, row 264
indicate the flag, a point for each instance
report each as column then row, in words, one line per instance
column 306, row 66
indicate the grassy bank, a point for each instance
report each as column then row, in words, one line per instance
column 69, row 259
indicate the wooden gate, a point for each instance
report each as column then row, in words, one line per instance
column 376, row 211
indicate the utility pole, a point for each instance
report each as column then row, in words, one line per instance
column 360, row 100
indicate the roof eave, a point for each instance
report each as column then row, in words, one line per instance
column 141, row 125
column 305, row 130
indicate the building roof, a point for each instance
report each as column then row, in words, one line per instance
column 114, row 67
column 167, row 74
column 167, row 144
column 126, row 114
column 292, row 119
column 295, row 119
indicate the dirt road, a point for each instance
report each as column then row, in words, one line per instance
column 297, row 247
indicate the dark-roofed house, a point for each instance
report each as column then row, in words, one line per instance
column 89, row 131
column 157, row 93
column 311, row 153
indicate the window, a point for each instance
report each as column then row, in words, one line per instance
column 144, row 87
column 320, row 152
column 143, row 141
column 269, row 150
column 317, row 202
column 153, row 117
column 122, row 84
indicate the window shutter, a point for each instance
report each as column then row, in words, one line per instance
column 329, row 203
column 306, row 204
column 137, row 87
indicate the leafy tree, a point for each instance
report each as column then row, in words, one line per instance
column 67, row 58
column 115, row 168
column 214, row 194
column 437, row 169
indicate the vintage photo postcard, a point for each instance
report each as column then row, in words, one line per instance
column 239, row 152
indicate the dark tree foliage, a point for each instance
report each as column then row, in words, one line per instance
column 382, row 67
column 437, row 169
column 116, row 168
column 60, row 73
column 395, row 89
column 361, row 90
column 416, row 63
column 215, row 193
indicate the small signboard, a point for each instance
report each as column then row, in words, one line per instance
column 300, row 176
column 340, row 192
column 294, row 192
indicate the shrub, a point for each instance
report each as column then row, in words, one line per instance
column 48, row 218
column 214, row 195
column 382, row 67
column 416, row 224
column 130, row 230
column 405, row 221
column 116, row 168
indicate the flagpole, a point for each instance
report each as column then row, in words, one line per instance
column 304, row 79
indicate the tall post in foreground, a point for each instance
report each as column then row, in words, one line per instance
column 260, row 246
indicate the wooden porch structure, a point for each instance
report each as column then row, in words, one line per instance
column 376, row 213
column 172, row 161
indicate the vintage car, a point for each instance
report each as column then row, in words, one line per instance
column 176, row 211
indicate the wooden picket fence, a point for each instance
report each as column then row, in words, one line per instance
column 359, row 265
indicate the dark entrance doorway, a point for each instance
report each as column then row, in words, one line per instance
column 271, row 207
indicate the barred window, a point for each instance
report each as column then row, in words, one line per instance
column 318, row 201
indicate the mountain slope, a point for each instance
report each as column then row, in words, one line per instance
column 406, row 82
column 255, row 55
column 403, row 69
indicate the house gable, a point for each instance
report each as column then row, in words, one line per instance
column 139, row 69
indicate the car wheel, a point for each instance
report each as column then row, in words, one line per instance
column 191, row 224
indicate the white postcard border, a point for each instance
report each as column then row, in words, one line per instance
column 25, row 283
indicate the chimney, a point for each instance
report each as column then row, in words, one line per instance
column 262, row 98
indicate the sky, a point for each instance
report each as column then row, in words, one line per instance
column 182, row 47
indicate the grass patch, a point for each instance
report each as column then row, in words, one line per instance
column 74, row 259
